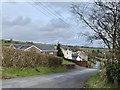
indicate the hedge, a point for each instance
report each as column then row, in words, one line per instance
column 19, row 58
column 113, row 72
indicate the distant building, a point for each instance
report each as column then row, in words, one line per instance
column 83, row 55
column 46, row 49
column 75, row 56
column 67, row 52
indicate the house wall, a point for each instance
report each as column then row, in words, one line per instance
column 83, row 55
column 67, row 53
column 79, row 59
column 55, row 53
column 33, row 49
column 40, row 51
column 12, row 46
column 50, row 52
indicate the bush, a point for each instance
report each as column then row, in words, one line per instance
column 113, row 72
column 53, row 62
column 19, row 58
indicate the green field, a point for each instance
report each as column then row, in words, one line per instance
column 95, row 49
column 9, row 42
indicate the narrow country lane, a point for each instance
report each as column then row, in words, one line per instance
column 71, row 79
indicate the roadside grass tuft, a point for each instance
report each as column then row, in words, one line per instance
column 14, row 72
column 97, row 82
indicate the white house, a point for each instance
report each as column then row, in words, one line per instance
column 67, row 52
column 76, row 56
column 82, row 54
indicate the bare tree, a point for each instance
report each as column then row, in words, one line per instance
column 104, row 20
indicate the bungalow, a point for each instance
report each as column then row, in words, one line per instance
column 46, row 49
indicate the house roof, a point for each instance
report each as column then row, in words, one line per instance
column 41, row 47
column 46, row 47
column 74, row 56
column 82, row 53
column 21, row 46
column 65, row 47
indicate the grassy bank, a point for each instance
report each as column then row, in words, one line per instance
column 13, row 72
column 97, row 82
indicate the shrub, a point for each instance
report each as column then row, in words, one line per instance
column 113, row 72
column 19, row 58
column 53, row 62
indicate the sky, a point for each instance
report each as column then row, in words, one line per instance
column 44, row 22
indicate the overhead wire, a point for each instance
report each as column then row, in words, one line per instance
column 48, row 11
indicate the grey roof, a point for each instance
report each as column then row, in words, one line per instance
column 46, row 47
column 74, row 56
column 41, row 47
column 83, row 54
column 21, row 46
column 65, row 47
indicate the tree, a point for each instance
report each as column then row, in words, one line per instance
column 59, row 53
column 104, row 20
column 11, row 40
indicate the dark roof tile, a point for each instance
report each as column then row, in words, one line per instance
column 47, row 47
column 41, row 47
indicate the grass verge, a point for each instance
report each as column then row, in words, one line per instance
column 97, row 82
column 13, row 72
column 67, row 62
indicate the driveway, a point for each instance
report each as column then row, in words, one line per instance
column 72, row 79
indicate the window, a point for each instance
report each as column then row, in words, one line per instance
column 51, row 53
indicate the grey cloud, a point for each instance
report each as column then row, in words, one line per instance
column 49, row 33
column 21, row 28
column 20, row 33
column 62, row 5
column 55, row 25
column 19, row 21
column 11, row 2
column 59, row 23
column 52, row 33
column 56, row 30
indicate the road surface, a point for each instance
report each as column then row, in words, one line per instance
column 97, row 65
column 71, row 79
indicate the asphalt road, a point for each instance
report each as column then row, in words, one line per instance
column 72, row 79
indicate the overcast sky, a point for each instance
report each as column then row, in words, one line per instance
column 43, row 23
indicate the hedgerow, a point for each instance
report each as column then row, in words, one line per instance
column 113, row 72
column 19, row 58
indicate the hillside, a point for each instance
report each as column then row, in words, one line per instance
column 73, row 48
column 86, row 49
column 8, row 42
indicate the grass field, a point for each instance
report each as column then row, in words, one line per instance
column 90, row 49
column 13, row 72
